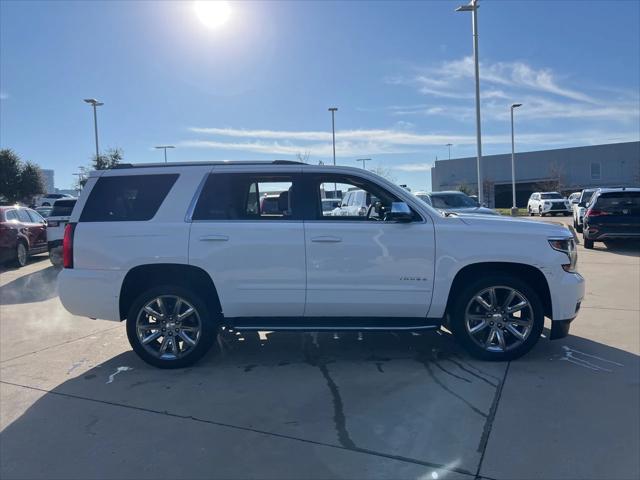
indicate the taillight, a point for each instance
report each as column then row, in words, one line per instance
column 596, row 213
column 67, row 245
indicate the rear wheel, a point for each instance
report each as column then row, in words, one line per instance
column 55, row 255
column 21, row 256
column 587, row 243
column 530, row 212
column 170, row 327
column 497, row 318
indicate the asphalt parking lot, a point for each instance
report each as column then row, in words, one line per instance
column 77, row 403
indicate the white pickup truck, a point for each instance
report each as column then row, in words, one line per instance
column 179, row 250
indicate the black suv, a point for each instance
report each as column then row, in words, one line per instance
column 613, row 213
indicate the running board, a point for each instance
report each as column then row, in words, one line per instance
column 332, row 324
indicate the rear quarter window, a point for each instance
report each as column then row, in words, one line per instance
column 127, row 198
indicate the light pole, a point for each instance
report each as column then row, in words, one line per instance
column 473, row 8
column 164, row 147
column 364, row 161
column 95, row 103
column 333, row 111
column 514, row 208
column 449, row 145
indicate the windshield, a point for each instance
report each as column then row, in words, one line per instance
column 548, row 196
column 586, row 196
column 452, row 200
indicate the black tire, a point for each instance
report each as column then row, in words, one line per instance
column 566, row 214
column 55, row 256
column 579, row 228
column 531, row 214
column 21, row 255
column 540, row 212
column 208, row 327
column 588, row 244
column 464, row 298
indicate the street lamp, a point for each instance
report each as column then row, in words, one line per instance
column 364, row 161
column 333, row 111
column 95, row 103
column 164, row 147
column 449, row 145
column 514, row 208
column 473, row 8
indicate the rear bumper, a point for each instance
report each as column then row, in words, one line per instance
column 91, row 293
column 597, row 232
column 54, row 244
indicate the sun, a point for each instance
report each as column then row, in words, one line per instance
column 213, row 13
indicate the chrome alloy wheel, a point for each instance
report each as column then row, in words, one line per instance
column 499, row 318
column 168, row 327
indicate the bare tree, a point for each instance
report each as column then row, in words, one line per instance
column 384, row 172
column 555, row 180
column 464, row 187
column 303, row 157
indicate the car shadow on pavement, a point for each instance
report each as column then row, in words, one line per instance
column 33, row 287
column 631, row 249
column 293, row 405
column 30, row 261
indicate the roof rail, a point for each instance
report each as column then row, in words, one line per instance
column 197, row 164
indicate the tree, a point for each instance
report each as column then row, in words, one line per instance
column 31, row 182
column 555, row 181
column 104, row 161
column 19, row 181
column 107, row 160
column 466, row 189
column 303, row 157
column 10, row 166
column 384, row 172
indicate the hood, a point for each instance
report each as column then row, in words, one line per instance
column 472, row 210
column 502, row 223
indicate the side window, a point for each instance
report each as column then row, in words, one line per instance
column 35, row 216
column 241, row 196
column 23, row 216
column 127, row 198
column 371, row 201
column 11, row 215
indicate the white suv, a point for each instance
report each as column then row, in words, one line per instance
column 179, row 250
column 548, row 203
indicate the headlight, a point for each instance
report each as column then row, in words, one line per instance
column 567, row 246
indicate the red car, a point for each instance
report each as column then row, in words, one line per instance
column 23, row 232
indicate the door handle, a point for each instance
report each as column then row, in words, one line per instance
column 214, row 238
column 326, row 239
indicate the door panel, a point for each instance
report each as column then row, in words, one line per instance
column 255, row 255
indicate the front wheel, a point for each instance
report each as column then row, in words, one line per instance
column 497, row 318
column 588, row 244
column 170, row 327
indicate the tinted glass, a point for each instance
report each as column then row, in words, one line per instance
column 127, row 198
column 619, row 202
column 550, row 196
column 586, row 196
column 23, row 216
column 452, row 201
column 63, row 208
column 241, row 196
column 11, row 215
column 35, row 216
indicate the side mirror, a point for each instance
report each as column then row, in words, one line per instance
column 400, row 212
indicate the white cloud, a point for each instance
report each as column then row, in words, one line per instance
column 351, row 143
column 413, row 167
column 539, row 89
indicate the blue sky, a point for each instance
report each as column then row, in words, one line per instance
column 259, row 86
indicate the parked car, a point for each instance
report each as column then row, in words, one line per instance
column 329, row 205
column 613, row 214
column 454, row 201
column 548, row 203
column 130, row 252
column 49, row 199
column 55, row 228
column 574, row 198
column 44, row 211
column 23, row 232
column 355, row 202
column 580, row 207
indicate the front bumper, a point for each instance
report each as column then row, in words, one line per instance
column 555, row 209
column 567, row 293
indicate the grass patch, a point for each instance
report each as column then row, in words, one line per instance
column 522, row 212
